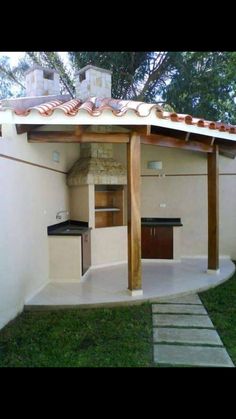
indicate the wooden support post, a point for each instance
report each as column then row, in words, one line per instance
column 213, row 209
column 134, row 216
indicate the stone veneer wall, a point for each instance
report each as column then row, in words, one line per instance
column 96, row 166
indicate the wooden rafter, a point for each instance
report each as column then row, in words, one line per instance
column 74, row 137
column 53, row 137
column 227, row 152
column 162, row 141
column 140, row 129
column 90, row 137
column 187, row 136
column 23, row 128
column 226, row 148
column 80, row 134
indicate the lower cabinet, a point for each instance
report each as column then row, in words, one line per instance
column 86, row 251
column 157, row 242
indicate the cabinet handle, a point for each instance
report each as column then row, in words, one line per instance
column 154, row 231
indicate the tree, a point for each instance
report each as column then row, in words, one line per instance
column 204, row 85
column 135, row 75
column 10, row 79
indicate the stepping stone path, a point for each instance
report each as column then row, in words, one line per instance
column 184, row 335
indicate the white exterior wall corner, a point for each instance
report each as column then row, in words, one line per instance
column 30, row 198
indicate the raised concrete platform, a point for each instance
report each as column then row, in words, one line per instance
column 161, row 281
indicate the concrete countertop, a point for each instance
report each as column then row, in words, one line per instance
column 152, row 221
column 69, row 228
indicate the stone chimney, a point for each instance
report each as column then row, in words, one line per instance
column 42, row 81
column 97, row 166
column 92, row 81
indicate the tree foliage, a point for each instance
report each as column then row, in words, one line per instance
column 204, row 85
column 201, row 84
column 10, row 78
column 135, row 75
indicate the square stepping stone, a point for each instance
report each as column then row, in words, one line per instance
column 179, row 308
column 187, row 299
column 196, row 356
column 187, row 320
column 191, row 336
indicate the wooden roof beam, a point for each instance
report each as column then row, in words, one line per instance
column 162, row 141
column 79, row 136
column 227, row 152
column 140, row 129
column 76, row 137
column 23, row 128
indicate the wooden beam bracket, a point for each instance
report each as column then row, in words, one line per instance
column 187, row 136
column 164, row 141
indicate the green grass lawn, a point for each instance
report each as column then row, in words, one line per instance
column 103, row 337
column 220, row 302
column 98, row 337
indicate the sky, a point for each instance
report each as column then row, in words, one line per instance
column 15, row 56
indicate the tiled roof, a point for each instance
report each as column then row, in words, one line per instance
column 95, row 107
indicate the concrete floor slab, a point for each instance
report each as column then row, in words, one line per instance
column 187, row 320
column 179, row 308
column 192, row 355
column 190, row 336
column 109, row 285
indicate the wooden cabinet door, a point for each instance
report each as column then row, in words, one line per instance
column 86, row 252
column 163, row 242
column 148, row 249
column 157, row 242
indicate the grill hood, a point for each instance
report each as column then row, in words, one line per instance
column 97, row 166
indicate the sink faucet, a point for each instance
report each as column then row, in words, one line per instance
column 58, row 216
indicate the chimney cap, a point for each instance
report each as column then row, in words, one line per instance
column 38, row 67
column 87, row 67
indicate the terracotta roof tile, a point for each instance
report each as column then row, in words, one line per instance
column 95, row 106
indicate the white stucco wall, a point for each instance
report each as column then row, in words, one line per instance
column 183, row 191
column 30, row 197
column 108, row 245
column 82, row 203
column 185, row 196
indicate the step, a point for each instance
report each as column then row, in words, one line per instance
column 178, row 308
column 195, row 356
column 187, row 320
column 190, row 336
column 187, row 299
